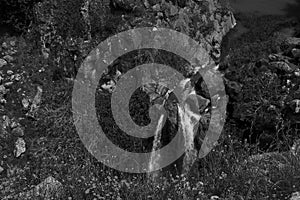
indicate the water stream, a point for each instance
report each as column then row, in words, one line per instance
column 155, row 156
column 188, row 122
column 189, row 118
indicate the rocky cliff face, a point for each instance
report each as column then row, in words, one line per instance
column 72, row 24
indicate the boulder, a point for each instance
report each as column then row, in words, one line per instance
column 49, row 189
column 20, row 147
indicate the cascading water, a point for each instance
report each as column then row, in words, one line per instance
column 189, row 119
column 155, row 156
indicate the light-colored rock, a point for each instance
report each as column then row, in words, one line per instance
column 2, row 100
column 50, row 188
column 36, row 100
column 1, row 169
column 2, row 62
column 9, row 72
column 109, row 86
column 25, row 103
column 8, row 83
column 20, row 147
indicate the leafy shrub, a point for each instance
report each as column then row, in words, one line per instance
column 19, row 14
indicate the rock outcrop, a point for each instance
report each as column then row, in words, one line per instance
column 205, row 21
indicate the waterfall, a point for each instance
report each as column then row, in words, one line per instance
column 155, row 156
column 188, row 121
column 189, row 118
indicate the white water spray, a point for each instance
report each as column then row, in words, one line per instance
column 155, row 156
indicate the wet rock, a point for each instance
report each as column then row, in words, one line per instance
column 109, row 86
column 2, row 62
column 20, row 147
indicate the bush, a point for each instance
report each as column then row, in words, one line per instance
column 19, row 13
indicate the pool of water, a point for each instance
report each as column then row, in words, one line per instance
column 289, row 8
column 267, row 7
